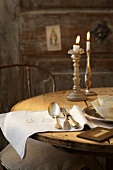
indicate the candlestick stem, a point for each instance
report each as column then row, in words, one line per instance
column 88, row 76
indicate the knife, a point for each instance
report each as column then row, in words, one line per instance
column 74, row 123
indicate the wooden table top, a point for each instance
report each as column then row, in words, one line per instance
column 68, row 140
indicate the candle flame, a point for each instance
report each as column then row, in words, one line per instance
column 78, row 39
column 88, row 36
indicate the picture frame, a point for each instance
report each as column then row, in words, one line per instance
column 53, row 35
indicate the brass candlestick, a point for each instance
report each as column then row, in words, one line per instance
column 76, row 94
column 88, row 76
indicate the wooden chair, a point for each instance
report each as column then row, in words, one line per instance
column 20, row 81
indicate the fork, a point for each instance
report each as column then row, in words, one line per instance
column 66, row 111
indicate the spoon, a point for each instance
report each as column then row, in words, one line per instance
column 54, row 111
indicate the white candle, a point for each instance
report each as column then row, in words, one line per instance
column 76, row 46
column 88, row 42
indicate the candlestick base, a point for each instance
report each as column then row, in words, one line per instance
column 76, row 96
column 89, row 93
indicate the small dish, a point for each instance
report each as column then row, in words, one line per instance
column 104, row 106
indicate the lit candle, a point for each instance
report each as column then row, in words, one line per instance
column 76, row 46
column 88, row 42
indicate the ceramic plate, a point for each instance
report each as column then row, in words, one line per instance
column 91, row 113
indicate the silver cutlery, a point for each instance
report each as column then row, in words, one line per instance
column 74, row 123
column 66, row 124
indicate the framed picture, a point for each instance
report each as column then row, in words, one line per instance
column 53, row 37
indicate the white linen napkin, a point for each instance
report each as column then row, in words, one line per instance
column 77, row 114
column 17, row 126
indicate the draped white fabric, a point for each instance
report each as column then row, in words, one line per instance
column 17, row 126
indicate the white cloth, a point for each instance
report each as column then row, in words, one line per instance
column 17, row 126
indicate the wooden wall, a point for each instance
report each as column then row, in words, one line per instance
column 74, row 18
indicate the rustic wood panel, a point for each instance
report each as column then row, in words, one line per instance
column 37, row 4
column 33, row 31
column 33, row 45
column 9, row 40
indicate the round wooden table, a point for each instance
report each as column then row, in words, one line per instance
column 69, row 141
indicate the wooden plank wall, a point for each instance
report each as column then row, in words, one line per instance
column 72, row 21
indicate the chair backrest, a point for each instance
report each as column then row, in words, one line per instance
column 1, row 168
column 21, row 81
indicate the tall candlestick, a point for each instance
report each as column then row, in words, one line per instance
column 88, row 42
column 88, row 74
column 76, row 46
column 76, row 94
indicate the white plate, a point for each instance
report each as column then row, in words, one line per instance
column 91, row 113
